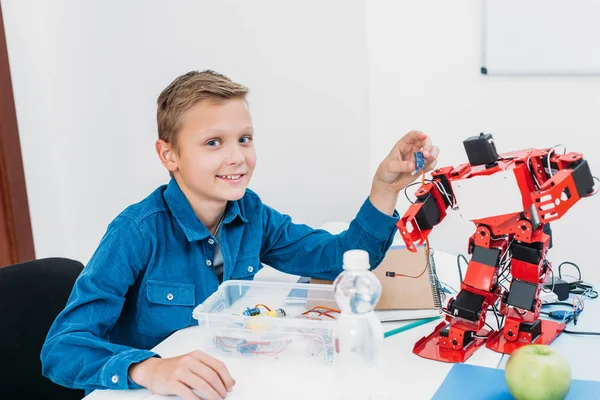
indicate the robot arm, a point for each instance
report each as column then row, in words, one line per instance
column 561, row 179
column 433, row 199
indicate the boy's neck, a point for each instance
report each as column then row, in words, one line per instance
column 208, row 212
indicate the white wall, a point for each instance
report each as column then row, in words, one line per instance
column 424, row 60
column 86, row 75
column 332, row 89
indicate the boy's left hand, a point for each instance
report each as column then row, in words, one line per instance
column 395, row 171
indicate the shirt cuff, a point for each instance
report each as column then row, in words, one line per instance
column 377, row 224
column 115, row 373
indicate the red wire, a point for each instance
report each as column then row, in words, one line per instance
column 258, row 305
column 424, row 269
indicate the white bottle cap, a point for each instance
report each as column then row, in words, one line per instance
column 356, row 260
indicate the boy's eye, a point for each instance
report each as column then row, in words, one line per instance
column 245, row 139
column 213, row 143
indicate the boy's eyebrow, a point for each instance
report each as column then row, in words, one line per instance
column 212, row 131
column 216, row 131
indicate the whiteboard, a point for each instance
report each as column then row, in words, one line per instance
column 541, row 37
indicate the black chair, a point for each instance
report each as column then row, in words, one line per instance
column 31, row 296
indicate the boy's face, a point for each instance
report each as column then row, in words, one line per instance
column 216, row 154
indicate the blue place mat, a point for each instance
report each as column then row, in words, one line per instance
column 472, row 382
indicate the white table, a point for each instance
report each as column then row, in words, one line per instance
column 404, row 371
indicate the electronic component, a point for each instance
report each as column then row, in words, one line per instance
column 419, row 162
column 251, row 312
column 279, row 313
column 320, row 311
column 256, row 323
column 548, row 297
column 558, row 286
column 467, row 305
column 533, row 328
column 244, row 347
column 522, row 295
column 481, row 149
column 563, row 314
column 429, row 214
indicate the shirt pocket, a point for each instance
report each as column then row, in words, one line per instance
column 169, row 307
column 246, row 267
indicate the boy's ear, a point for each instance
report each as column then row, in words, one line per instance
column 166, row 154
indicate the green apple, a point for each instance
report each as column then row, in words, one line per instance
column 537, row 372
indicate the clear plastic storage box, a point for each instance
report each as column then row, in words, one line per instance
column 305, row 331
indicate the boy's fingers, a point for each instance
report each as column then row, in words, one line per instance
column 413, row 141
column 209, row 375
column 185, row 392
column 203, row 388
column 397, row 167
column 218, row 367
column 426, row 144
column 414, row 137
column 431, row 153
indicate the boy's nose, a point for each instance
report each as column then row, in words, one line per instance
column 235, row 155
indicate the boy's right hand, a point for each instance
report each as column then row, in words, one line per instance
column 181, row 376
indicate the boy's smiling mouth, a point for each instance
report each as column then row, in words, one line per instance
column 231, row 178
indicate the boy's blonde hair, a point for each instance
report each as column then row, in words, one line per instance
column 188, row 90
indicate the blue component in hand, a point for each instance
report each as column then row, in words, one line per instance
column 419, row 161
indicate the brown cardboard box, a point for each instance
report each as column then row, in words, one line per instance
column 403, row 292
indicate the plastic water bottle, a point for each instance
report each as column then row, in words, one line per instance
column 358, row 332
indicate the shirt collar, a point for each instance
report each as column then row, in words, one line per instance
column 185, row 216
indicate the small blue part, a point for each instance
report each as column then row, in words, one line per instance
column 419, row 161
column 244, row 348
column 251, row 312
column 563, row 314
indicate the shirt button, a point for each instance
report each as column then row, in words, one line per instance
column 169, row 296
column 208, row 262
column 210, row 241
column 250, row 268
column 114, row 379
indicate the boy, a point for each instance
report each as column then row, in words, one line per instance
column 165, row 255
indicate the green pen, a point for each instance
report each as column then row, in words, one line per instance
column 409, row 326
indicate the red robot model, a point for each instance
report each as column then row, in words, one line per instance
column 510, row 198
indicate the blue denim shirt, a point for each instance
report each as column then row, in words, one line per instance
column 152, row 268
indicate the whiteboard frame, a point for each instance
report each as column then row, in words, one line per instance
column 522, row 71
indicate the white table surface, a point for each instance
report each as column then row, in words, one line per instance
column 403, row 372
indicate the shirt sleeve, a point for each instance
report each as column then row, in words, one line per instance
column 301, row 250
column 76, row 353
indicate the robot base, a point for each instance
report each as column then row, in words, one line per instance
column 431, row 346
column 550, row 330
